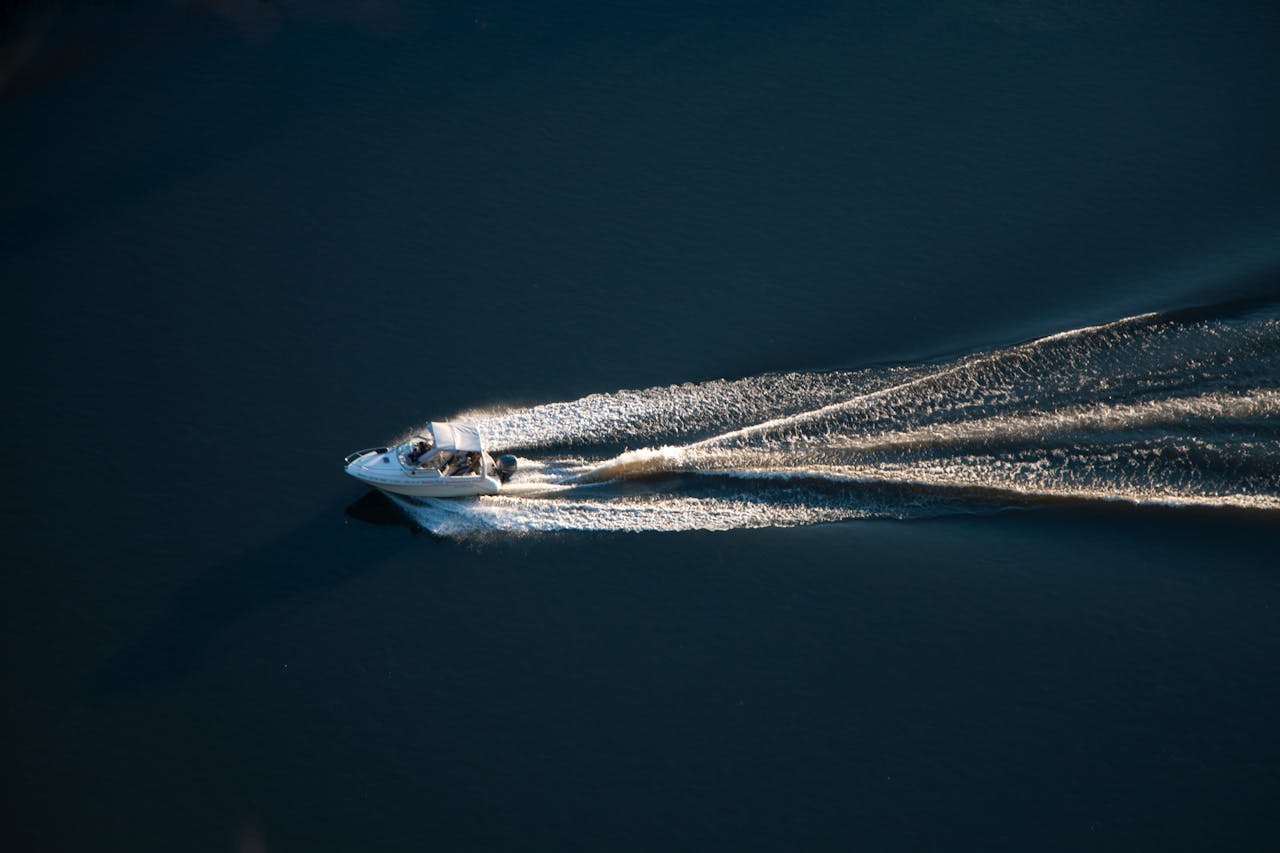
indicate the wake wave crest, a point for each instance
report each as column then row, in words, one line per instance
column 1148, row 409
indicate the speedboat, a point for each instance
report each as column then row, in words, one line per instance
column 446, row 460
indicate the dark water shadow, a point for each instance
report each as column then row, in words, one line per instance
column 375, row 508
column 319, row 554
column 1240, row 296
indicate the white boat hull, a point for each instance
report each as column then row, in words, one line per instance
column 382, row 471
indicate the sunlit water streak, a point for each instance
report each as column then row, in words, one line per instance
column 1170, row 409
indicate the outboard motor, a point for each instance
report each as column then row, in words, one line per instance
column 506, row 466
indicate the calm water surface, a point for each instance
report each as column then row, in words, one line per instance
column 240, row 241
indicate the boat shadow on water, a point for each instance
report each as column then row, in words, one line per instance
column 377, row 509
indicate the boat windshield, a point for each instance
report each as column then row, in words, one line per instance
column 414, row 452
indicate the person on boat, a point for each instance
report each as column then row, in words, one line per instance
column 468, row 464
column 416, row 451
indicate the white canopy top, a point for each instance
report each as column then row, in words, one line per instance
column 460, row 437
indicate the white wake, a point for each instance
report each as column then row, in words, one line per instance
column 1162, row 409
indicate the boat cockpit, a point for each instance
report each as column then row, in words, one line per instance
column 420, row 454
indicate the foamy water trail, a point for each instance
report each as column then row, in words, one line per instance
column 1179, row 409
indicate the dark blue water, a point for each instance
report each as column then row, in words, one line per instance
column 1027, row 596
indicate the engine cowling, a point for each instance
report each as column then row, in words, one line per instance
column 506, row 465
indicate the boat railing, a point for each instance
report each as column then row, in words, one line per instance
column 352, row 457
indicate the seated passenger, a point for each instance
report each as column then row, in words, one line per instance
column 461, row 465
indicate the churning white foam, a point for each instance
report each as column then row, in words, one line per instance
column 1148, row 409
